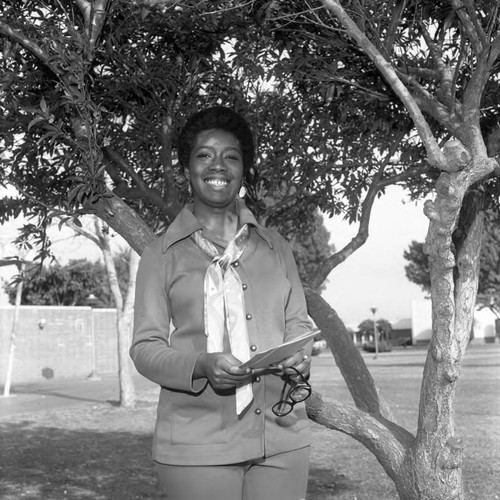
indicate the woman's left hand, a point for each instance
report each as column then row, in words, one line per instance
column 301, row 361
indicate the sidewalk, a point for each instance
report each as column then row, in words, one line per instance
column 64, row 393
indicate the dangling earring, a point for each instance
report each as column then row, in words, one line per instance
column 242, row 192
column 189, row 187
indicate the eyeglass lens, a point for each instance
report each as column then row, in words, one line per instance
column 297, row 393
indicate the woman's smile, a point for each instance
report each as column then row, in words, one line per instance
column 217, row 182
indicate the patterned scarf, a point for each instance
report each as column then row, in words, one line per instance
column 224, row 304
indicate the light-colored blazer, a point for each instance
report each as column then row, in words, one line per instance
column 195, row 425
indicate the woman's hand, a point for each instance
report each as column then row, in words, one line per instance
column 300, row 361
column 221, row 369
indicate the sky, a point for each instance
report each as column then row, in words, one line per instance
column 374, row 275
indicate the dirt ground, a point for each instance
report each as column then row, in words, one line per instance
column 101, row 451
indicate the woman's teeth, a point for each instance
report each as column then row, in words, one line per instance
column 216, row 182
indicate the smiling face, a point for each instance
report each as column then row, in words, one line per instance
column 215, row 169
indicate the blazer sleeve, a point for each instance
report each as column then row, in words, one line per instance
column 297, row 321
column 150, row 350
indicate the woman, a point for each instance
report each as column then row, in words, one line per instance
column 216, row 288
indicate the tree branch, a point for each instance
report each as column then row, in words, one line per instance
column 468, row 263
column 450, row 117
column 451, row 120
column 122, row 219
column 142, row 191
column 428, row 73
column 356, row 242
column 394, row 24
column 97, row 20
column 377, row 184
column 404, row 176
column 83, row 232
column 469, row 20
column 355, row 85
column 94, row 15
column 435, row 155
column 347, row 356
column 29, row 45
column 85, row 8
column 436, row 51
column 494, row 51
column 133, row 264
column 472, row 104
column 389, row 443
column 171, row 196
column 105, row 246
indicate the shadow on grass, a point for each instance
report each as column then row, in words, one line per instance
column 53, row 463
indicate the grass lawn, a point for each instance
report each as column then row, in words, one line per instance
column 100, row 451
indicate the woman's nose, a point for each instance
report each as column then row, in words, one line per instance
column 217, row 163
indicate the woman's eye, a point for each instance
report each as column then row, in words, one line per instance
column 202, row 155
column 232, row 157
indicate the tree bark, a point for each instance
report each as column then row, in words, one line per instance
column 124, row 220
column 125, row 323
column 124, row 316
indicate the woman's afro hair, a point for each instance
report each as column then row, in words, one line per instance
column 217, row 117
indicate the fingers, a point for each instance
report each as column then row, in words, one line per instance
column 223, row 371
column 231, row 365
column 300, row 361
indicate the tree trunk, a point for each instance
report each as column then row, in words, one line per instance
column 124, row 313
column 427, row 466
column 126, row 381
column 125, row 321
column 15, row 322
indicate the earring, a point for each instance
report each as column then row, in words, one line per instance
column 243, row 191
column 190, row 190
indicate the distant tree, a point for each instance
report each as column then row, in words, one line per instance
column 418, row 272
column 384, row 328
column 69, row 284
column 489, row 272
column 310, row 249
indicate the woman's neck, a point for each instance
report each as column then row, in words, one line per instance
column 219, row 224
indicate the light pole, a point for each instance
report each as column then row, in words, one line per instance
column 92, row 301
column 375, row 336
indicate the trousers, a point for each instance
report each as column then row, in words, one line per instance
column 279, row 477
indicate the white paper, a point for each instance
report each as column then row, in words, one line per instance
column 280, row 352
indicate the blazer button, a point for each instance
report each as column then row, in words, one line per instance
column 249, row 316
column 253, row 347
column 244, row 286
column 258, row 411
column 257, row 379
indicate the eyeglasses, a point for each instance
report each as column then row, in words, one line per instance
column 291, row 394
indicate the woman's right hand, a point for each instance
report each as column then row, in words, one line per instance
column 221, row 369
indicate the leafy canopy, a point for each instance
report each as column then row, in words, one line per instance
column 72, row 115
column 70, row 284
